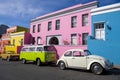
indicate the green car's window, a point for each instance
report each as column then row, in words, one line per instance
column 32, row 49
column 49, row 48
column 39, row 49
column 24, row 49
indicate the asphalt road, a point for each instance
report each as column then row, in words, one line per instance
column 15, row 70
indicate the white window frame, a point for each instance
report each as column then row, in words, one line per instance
column 84, row 38
column 73, row 39
column 34, row 26
column 39, row 25
column 99, row 29
column 58, row 24
column 85, row 19
column 73, row 21
column 38, row 40
column 49, row 25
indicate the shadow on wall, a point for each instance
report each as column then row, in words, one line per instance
column 53, row 48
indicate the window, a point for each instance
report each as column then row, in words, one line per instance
column 49, row 48
column 33, row 28
column 84, row 19
column 76, row 53
column 99, row 31
column 39, row 49
column 39, row 27
column 32, row 49
column 84, row 38
column 21, row 42
column 74, row 39
column 33, row 40
column 69, row 53
column 25, row 49
column 38, row 40
column 13, row 42
column 73, row 21
column 49, row 26
column 57, row 24
column 87, row 52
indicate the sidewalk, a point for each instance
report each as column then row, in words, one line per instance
column 117, row 66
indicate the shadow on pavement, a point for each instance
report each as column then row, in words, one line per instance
column 114, row 71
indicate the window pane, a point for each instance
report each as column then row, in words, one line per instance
column 102, row 34
column 73, row 21
column 57, row 24
column 39, row 27
column 74, row 39
column 32, row 49
column 33, row 28
column 97, row 34
column 84, row 37
column 25, row 49
column 33, row 40
column 99, row 30
column 49, row 26
column 13, row 42
column 85, row 20
column 38, row 40
column 21, row 42
column 39, row 49
column 49, row 48
column 69, row 53
column 76, row 53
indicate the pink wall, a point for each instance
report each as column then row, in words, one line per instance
column 65, row 25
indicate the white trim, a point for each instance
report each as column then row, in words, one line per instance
column 101, row 29
column 99, row 22
column 66, row 12
column 11, row 28
column 106, row 9
column 14, row 35
column 5, row 39
column 59, row 37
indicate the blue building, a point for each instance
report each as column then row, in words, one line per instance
column 3, row 29
column 105, row 38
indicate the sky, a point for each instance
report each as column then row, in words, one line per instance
column 21, row 12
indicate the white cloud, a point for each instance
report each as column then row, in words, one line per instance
column 18, row 8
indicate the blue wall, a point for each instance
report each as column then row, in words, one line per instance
column 110, row 47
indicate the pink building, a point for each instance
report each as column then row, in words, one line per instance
column 67, row 28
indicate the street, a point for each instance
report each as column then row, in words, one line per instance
column 15, row 70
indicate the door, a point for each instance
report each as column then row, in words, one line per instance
column 68, row 58
column 31, row 54
column 84, row 38
column 79, row 59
